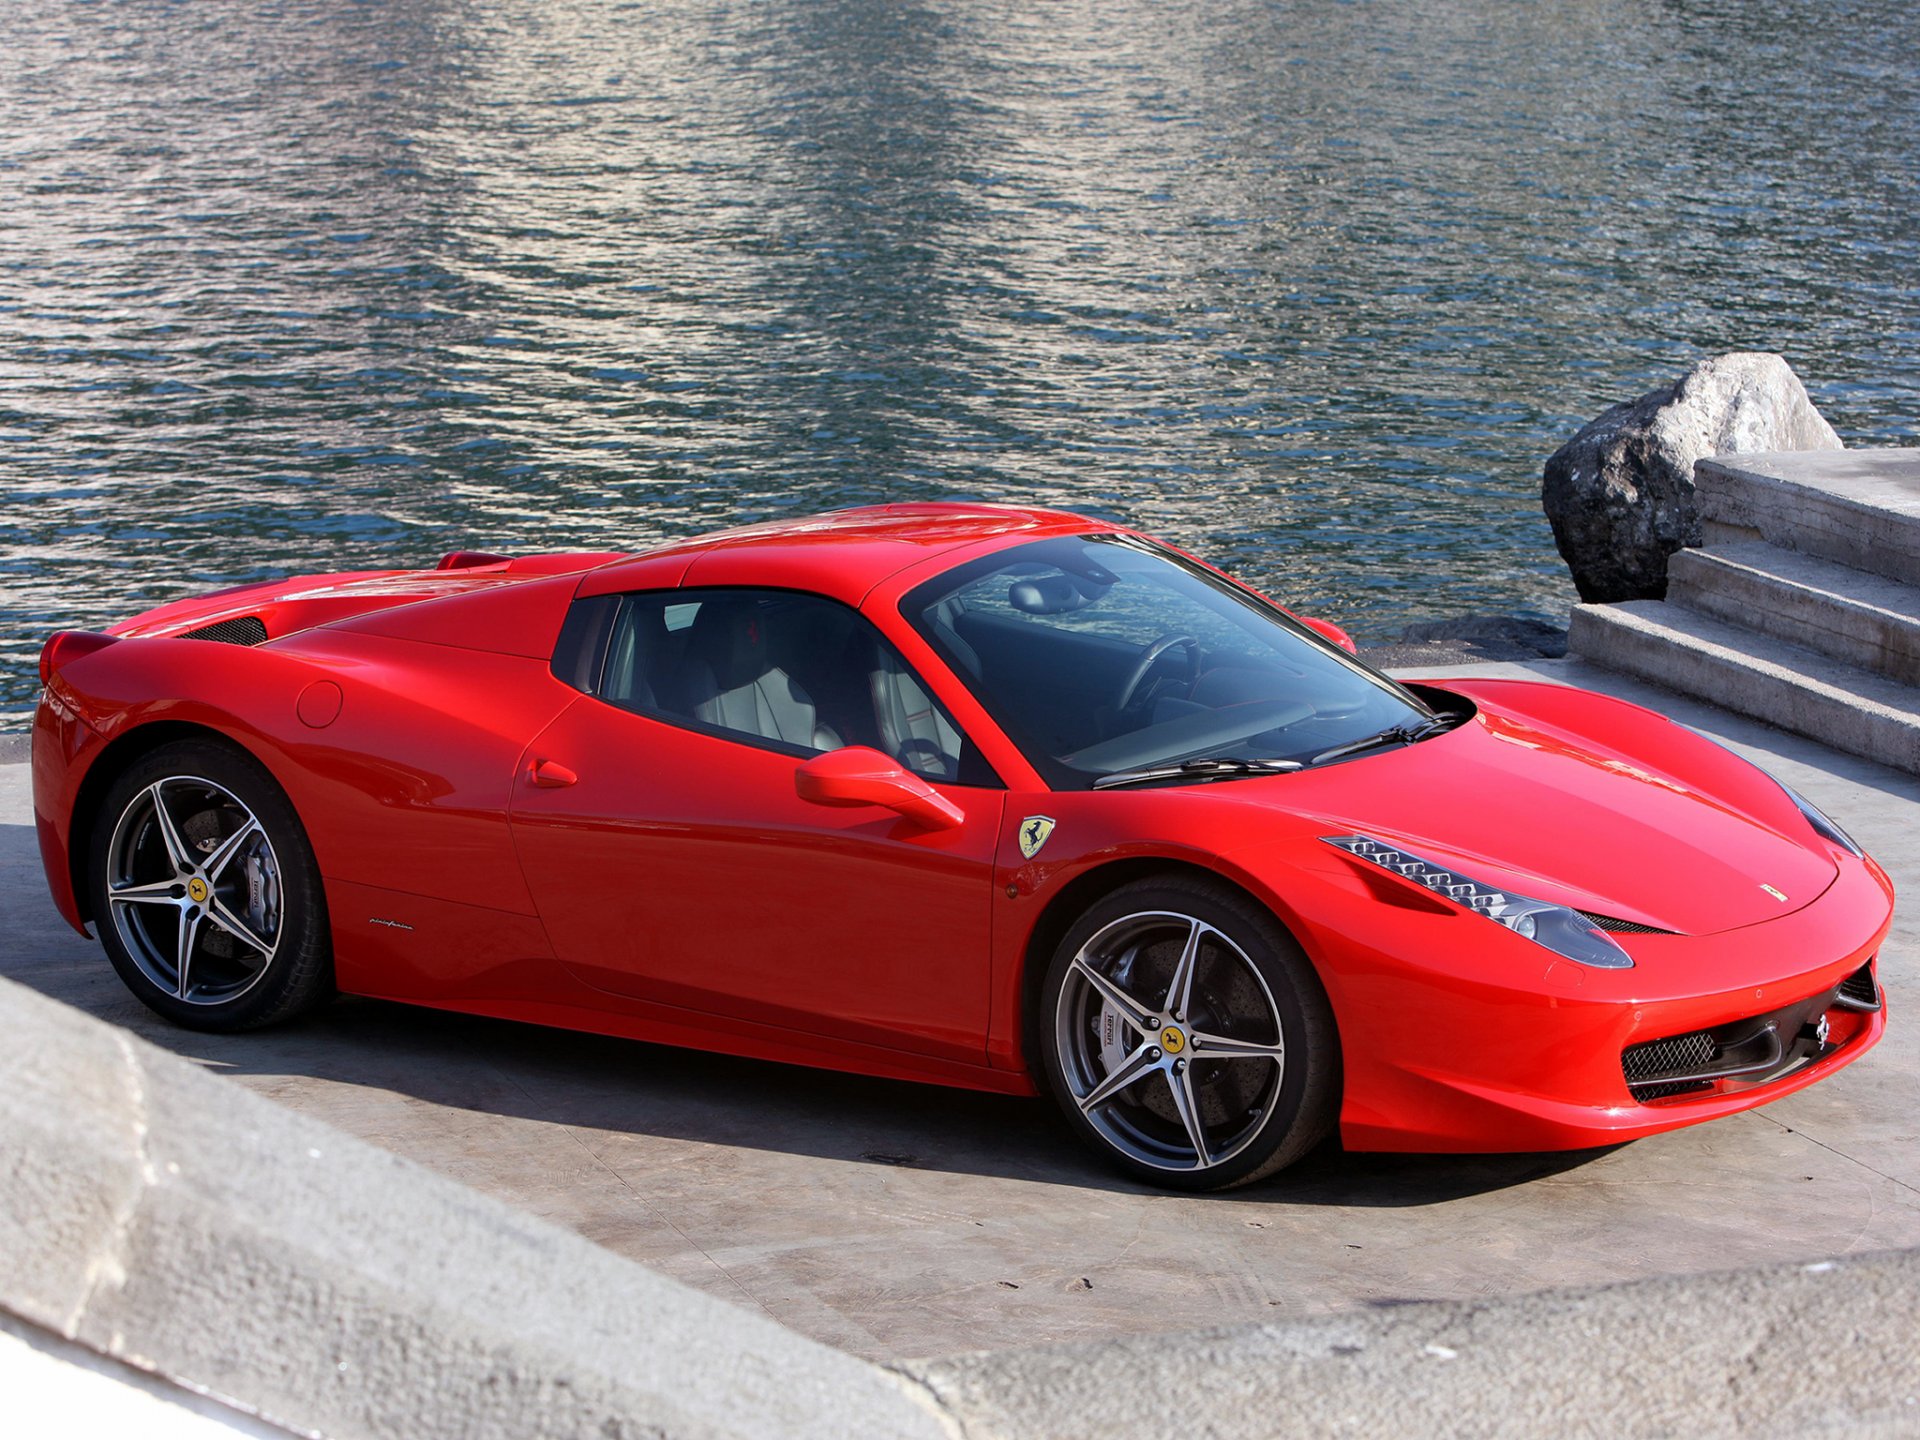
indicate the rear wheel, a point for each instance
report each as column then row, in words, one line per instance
column 206, row 892
column 1187, row 1037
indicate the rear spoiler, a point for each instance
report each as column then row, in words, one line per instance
column 65, row 646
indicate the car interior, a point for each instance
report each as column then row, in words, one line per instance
column 778, row 666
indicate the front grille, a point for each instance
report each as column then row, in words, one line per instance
column 1676, row 1056
column 1859, row 991
column 1644, row 1065
column 1623, row 927
column 1753, row 1051
column 1662, row 1089
column 242, row 630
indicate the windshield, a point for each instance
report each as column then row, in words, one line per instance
column 1101, row 655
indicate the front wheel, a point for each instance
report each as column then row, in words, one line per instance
column 1187, row 1037
column 206, row 892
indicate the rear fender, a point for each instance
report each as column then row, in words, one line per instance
column 399, row 758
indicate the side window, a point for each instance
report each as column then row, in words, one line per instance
column 792, row 671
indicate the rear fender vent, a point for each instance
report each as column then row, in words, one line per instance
column 241, row 630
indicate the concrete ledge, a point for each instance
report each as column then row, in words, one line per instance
column 1805, row 1350
column 1752, row 674
column 1854, row 507
column 165, row 1217
column 1850, row 615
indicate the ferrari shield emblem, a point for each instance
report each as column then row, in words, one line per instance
column 1034, row 831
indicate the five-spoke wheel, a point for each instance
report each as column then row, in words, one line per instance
column 205, row 891
column 1185, row 1033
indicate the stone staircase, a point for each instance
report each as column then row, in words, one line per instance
column 1802, row 610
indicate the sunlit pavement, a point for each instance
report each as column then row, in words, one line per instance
column 894, row 1220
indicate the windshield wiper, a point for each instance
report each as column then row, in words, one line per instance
column 1392, row 735
column 1207, row 768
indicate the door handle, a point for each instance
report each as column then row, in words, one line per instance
column 551, row 775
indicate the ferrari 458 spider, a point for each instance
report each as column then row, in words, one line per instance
column 1003, row 798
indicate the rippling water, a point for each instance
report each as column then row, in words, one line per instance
column 1313, row 288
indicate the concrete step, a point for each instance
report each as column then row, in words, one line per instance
column 1738, row 669
column 1853, row 507
column 1847, row 614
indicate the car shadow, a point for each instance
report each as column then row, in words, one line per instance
column 597, row 1082
column 594, row 1083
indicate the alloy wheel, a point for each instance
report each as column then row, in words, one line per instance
column 194, row 890
column 1169, row 1041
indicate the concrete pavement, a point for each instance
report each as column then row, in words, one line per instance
column 183, row 1257
column 894, row 1220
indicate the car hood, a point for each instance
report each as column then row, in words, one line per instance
column 1675, row 833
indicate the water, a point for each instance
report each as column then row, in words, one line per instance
column 1312, row 288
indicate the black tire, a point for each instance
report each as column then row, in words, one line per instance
column 248, row 871
column 1252, row 989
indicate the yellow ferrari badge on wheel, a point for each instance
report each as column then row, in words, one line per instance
column 1034, row 831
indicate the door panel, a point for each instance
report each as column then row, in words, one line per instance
column 682, row 868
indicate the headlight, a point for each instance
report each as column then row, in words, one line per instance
column 1563, row 931
column 1822, row 824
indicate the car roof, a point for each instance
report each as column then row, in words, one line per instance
column 843, row 554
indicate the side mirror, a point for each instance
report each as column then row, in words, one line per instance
column 1332, row 631
column 857, row 775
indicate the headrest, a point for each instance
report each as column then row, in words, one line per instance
column 1047, row 595
column 729, row 636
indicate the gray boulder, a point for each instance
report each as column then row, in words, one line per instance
column 1620, row 493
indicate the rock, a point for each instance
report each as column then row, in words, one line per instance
column 1620, row 493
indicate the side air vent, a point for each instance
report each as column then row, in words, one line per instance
column 1623, row 927
column 242, row 630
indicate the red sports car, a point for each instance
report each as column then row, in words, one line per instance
column 994, row 797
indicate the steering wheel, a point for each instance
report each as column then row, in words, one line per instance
column 1149, row 655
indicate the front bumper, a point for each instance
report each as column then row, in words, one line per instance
column 1456, row 1040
